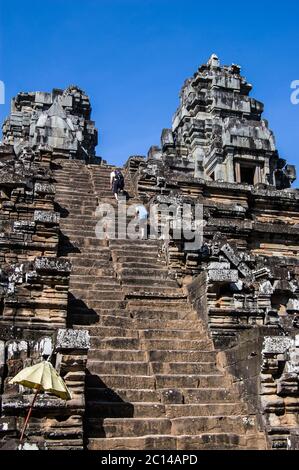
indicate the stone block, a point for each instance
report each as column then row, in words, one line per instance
column 72, row 339
column 276, row 344
column 244, row 270
column 223, row 275
column 48, row 217
column 53, row 265
column 231, row 255
column 44, row 188
column 24, row 226
column 214, row 265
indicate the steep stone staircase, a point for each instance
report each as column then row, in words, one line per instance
column 152, row 380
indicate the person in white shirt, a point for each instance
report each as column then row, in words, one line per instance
column 142, row 215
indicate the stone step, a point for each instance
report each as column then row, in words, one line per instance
column 191, row 381
column 140, row 249
column 82, row 218
column 89, row 251
column 114, row 343
column 101, row 305
column 149, row 287
column 120, row 312
column 117, row 427
column 215, row 424
column 142, row 315
column 138, row 252
column 140, row 355
column 177, row 344
column 87, row 317
column 145, row 264
column 144, row 368
column 94, row 393
column 152, row 280
column 180, row 306
column 109, row 278
column 85, row 193
column 173, row 355
column 67, row 174
column 88, row 259
column 77, row 234
column 64, row 178
column 75, row 199
column 70, row 190
column 90, row 241
column 121, row 367
column 183, row 367
column 207, row 394
column 221, row 441
column 116, row 355
column 85, row 242
column 122, row 381
column 98, row 295
column 146, row 293
column 205, row 409
column 125, row 410
column 81, row 183
column 77, row 210
column 108, row 409
column 80, row 213
column 115, row 320
column 216, row 396
column 205, row 441
column 72, row 229
column 168, row 324
column 72, row 204
column 171, row 334
column 84, row 265
column 139, row 258
column 129, row 275
column 119, row 317
column 112, row 331
column 76, row 286
column 157, row 304
column 102, row 283
column 106, row 304
column 93, row 271
column 66, row 183
column 154, row 333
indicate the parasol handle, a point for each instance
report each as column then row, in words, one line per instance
column 29, row 414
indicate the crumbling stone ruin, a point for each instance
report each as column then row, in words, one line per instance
column 164, row 344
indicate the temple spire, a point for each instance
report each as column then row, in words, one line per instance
column 213, row 61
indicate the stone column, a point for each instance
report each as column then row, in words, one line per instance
column 67, row 433
column 230, row 174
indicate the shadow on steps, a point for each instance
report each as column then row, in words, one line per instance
column 56, row 166
column 78, row 313
column 101, row 402
column 66, row 246
column 64, row 213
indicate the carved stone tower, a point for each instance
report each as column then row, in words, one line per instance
column 218, row 128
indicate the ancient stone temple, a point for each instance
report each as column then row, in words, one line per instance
column 164, row 343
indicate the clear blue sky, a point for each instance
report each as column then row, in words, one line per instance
column 132, row 56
